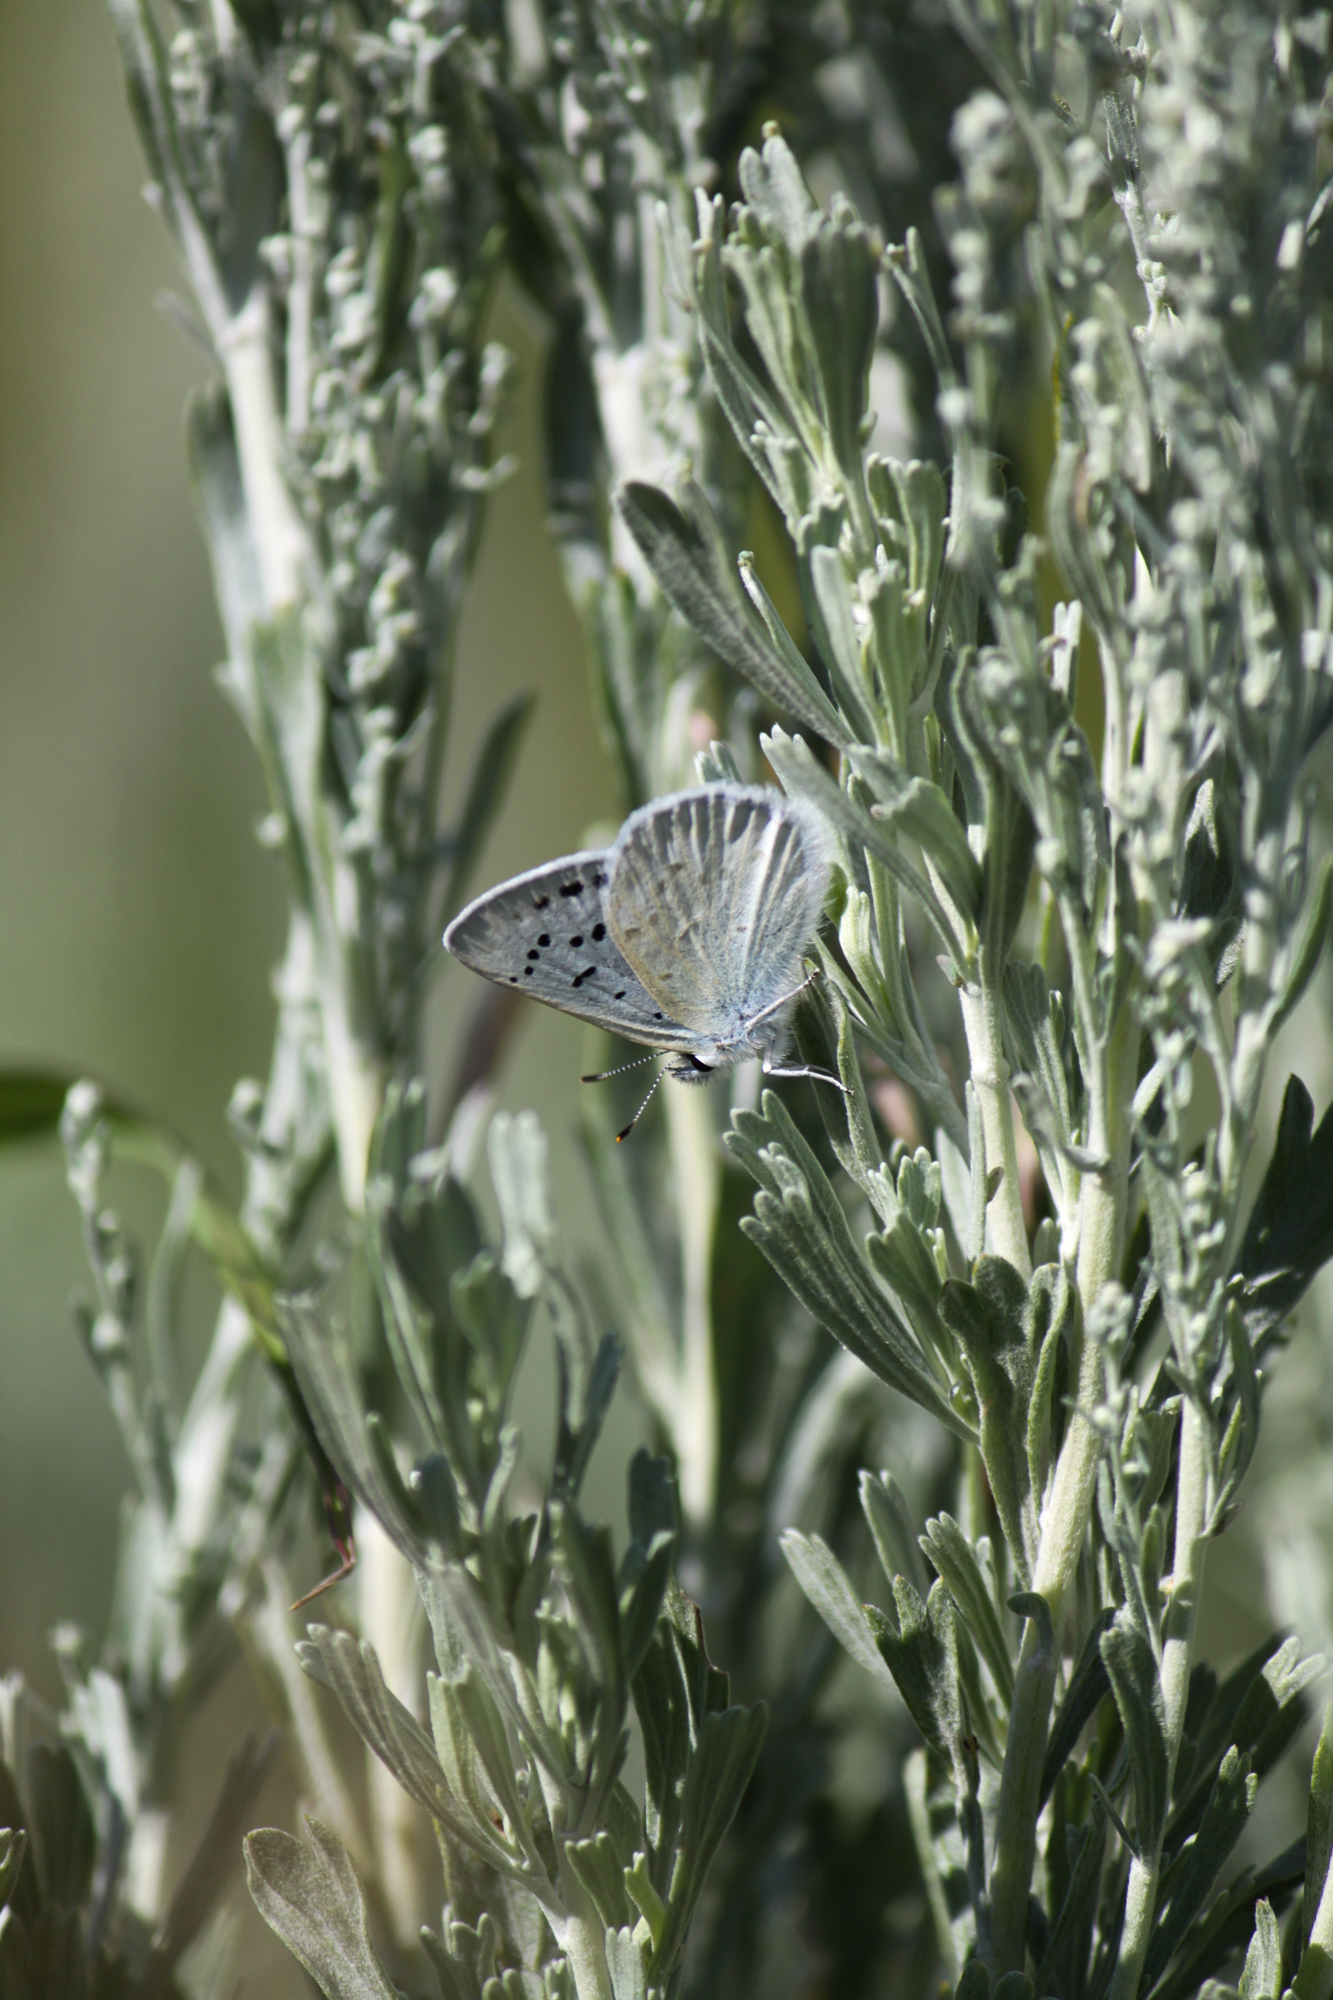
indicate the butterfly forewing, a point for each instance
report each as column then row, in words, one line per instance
column 545, row 933
column 713, row 899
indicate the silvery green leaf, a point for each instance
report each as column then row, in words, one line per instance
column 992, row 1321
column 1223, row 1822
column 1132, row 1670
column 1304, row 955
column 920, row 1648
column 464, row 1957
column 473, row 1748
column 646, row 1567
column 350, row 1668
column 800, row 1226
column 311, row 1897
column 719, row 1770
column 675, row 1688
column 948, row 1549
column 936, row 1836
column 1084, row 1881
column 907, row 265
column 892, row 1530
column 683, row 547
column 322, row 1362
column 841, row 304
column 801, row 776
column 210, row 443
column 828, row 1587
column 920, row 808
column 754, row 416
column 1262, row 1977
column 1090, row 1682
column 1051, row 1322
column 626, row 1965
column 835, row 633
column 1318, row 1825
column 602, row 1872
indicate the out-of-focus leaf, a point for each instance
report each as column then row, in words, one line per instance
column 1307, row 948
column 31, row 1101
column 487, row 785
column 828, row 1587
column 1289, row 1235
column 63, row 1837
column 217, row 1853
column 13, row 1847
column 311, row 1897
column 57, row 1961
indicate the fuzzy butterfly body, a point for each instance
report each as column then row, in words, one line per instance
column 686, row 935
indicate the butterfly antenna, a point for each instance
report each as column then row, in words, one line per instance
column 642, row 1108
column 601, row 1075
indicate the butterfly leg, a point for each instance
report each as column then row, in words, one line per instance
column 818, row 1075
column 774, row 1005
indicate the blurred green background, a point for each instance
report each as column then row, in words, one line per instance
column 140, row 918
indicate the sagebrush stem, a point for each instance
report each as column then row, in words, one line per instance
column 990, row 1078
column 696, row 1172
column 1064, row 1524
column 1145, row 1868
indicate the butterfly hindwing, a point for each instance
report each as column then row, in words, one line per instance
column 713, row 898
column 546, row 934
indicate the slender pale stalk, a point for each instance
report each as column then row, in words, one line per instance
column 1065, row 1516
column 390, row 1612
column 1145, row 1869
column 990, row 1079
column 280, row 540
column 697, row 1176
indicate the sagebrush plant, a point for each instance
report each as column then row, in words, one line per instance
column 1051, row 978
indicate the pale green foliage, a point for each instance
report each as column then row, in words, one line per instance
column 1134, row 210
